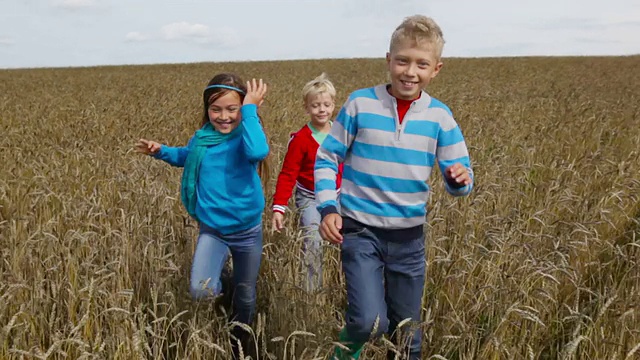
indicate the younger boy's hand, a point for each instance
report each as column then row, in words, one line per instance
column 255, row 92
column 330, row 228
column 147, row 147
column 277, row 221
column 458, row 174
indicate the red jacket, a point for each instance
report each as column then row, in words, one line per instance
column 297, row 168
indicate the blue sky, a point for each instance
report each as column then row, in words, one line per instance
column 61, row 33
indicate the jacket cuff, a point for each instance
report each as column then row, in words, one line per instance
column 159, row 153
column 331, row 209
column 279, row 208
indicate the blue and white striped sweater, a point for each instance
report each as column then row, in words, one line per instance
column 387, row 164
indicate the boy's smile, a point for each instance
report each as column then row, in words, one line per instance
column 411, row 67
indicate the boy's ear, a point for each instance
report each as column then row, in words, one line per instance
column 388, row 57
column 437, row 69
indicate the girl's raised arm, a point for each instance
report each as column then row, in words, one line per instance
column 253, row 136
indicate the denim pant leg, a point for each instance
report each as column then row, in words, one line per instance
column 404, row 278
column 312, row 242
column 208, row 260
column 363, row 267
column 246, row 253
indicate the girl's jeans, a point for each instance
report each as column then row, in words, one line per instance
column 209, row 259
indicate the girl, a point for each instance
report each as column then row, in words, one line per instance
column 318, row 97
column 221, row 188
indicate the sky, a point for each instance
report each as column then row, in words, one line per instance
column 72, row 33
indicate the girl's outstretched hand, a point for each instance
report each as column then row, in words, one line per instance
column 147, row 147
column 255, row 92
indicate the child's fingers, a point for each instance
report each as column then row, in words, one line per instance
column 465, row 179
column 456, row 170
column 140, row 147
column 329, row 229
column 453, row 169
column 264, row 89
column 334, row 235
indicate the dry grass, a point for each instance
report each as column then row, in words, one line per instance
column 540, row 262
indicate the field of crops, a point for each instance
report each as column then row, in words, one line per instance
column 541, row 261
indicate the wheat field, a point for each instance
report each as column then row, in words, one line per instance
column 541, row 261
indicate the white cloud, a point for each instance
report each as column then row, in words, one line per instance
column 6, row 41
column 202, row 34
column 135, row 36
column 184, row 30
column 74, row 4
column 227, row 37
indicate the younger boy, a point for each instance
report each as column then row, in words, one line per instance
column 297, row 169
column 389, row 138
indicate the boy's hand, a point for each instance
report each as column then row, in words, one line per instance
column 330, row 228
column 255, row 92
column 147, row 147
column 277, row 221
column 458, row 174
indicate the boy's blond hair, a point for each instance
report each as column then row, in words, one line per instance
column 418, row 29
column 319, row 85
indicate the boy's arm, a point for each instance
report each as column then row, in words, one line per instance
column 288, row 175
column 452, row 150
column 330, row 155
column 174, row 156
column 255, row 142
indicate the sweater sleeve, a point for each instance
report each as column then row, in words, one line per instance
column 330, row 155
column 255, row 142
column 451, row 149
column 174, row 156
column 288, row 175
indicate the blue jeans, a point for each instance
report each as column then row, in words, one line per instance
column 385, row 276
column 210, row 256
column 312, row 242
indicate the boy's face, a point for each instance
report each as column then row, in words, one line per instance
column 412, row 66
column 320, row 108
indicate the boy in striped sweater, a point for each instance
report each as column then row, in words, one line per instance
column 297, row 170
column 389, row 138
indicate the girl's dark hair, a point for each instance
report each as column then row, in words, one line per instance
column 211, row 95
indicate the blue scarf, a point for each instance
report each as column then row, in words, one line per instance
column 205, row 137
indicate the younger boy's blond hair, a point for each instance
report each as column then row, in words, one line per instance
column 418, row 29
column 319, row 85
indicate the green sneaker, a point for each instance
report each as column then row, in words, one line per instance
column 354, row 348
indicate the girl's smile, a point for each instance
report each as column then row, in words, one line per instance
column 224, row 112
